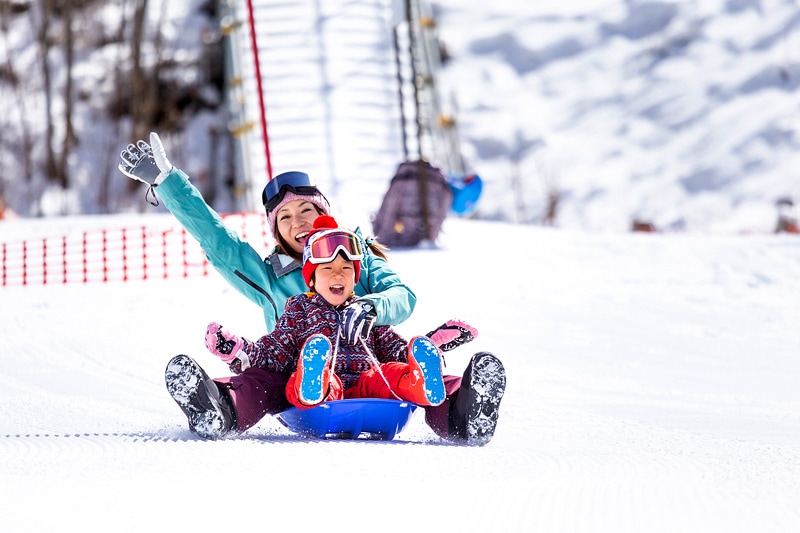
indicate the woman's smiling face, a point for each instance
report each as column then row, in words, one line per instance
column 294, row 221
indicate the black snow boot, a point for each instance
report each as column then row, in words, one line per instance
column 474, row 411
column 208, row 406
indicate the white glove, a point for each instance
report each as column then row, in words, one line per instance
column 160, row 156
column 146, row 163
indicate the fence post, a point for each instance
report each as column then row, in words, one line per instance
column 64, row 259
column 24, row 263
column 85, row 265
column 144, row 252
column 44, row 261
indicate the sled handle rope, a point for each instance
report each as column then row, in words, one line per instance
column 377, row 365
column 336, row 348
column 372, row 359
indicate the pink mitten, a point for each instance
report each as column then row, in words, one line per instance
column 452, row 334
column 224, row 344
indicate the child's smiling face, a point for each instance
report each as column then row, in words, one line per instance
column 335, row 281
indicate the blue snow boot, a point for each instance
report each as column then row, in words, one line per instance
column 475, row 408
column 208, row 406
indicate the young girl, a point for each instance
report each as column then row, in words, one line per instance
column 308, row 340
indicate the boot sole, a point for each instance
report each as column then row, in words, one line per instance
column 314, row 357
column 197, row 396
column 428, row 360
column 487, row 386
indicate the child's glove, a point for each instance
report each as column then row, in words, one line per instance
column 452, row 334
column 226, row 345
column 147, row 163
column 357, row 320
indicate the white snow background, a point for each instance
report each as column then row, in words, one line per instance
column 652, row 378
column 652, row 386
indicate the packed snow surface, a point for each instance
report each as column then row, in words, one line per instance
column 652, row 386
column 652, row 378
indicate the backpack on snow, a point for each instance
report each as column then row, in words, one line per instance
column 414, row 207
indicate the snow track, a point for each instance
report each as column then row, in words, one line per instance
column 641, row 397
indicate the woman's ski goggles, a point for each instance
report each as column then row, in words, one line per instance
column 323, row 246
column 296, row 182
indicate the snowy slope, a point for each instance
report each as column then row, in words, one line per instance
column 652, row 387
column 683, row 114
column 679, row 113
column 652, row 378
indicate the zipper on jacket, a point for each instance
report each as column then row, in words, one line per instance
column 257, row 287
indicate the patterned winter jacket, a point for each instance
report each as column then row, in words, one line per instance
column 271, row 281
column 307, row 314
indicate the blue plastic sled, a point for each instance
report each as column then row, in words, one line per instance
column 370, row 418
column 466, row 192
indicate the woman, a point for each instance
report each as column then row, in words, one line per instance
column 292, row 203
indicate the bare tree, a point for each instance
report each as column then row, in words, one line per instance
column 42, row 37
column 21, row 143
column 56, row 166
column 144, row 83
column 150, row 92
column 67, row 9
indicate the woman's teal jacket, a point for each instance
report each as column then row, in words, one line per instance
column 270, row 281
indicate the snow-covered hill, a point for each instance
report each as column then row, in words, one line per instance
column 680, row 114
column 652, row 387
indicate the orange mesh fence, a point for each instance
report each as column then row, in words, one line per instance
column 119, row 254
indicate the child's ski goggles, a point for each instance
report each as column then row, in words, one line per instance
column 296, row 182
column 323, row 246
